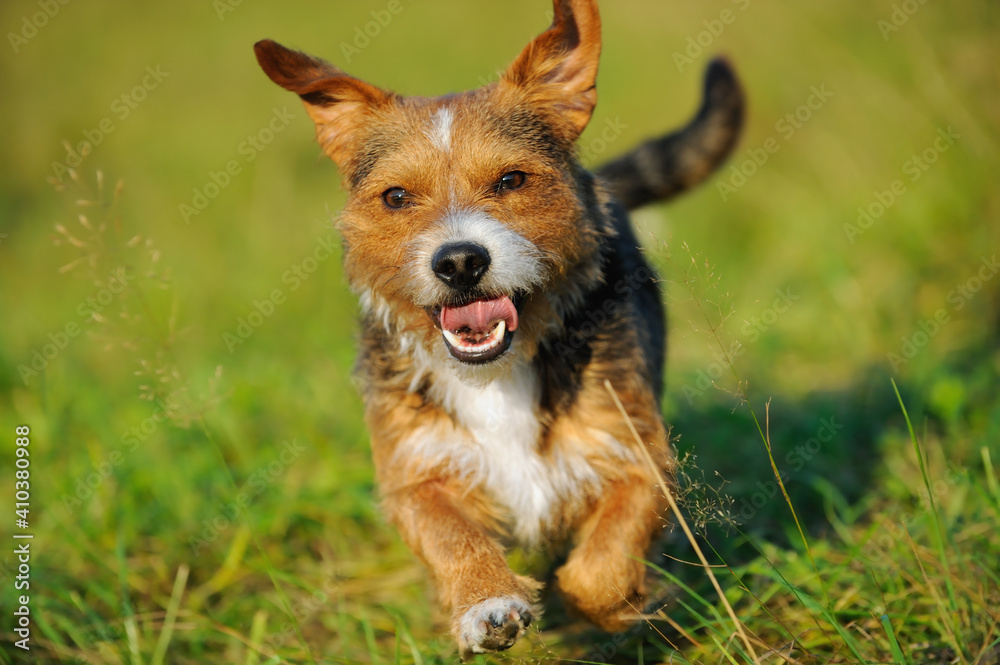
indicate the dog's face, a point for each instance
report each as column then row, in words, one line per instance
column 469, row 223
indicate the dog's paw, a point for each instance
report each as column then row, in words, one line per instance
column 492, row 625
column 607, row 592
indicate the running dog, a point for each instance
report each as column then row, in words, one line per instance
column 501, row 287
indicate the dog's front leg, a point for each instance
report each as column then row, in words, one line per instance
column 603, row 579
column 491, row 606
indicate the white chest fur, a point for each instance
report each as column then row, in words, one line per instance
column 496, row 446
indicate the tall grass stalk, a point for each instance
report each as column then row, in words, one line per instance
column 163, row 642
column 668, row 494
column 946, row 624
column 933, row 513
column 713, row 330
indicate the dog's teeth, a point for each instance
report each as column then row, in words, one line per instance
column 452, row 338
column 489, row 341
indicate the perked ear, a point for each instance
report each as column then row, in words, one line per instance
column 560, row 65
column 336, row 102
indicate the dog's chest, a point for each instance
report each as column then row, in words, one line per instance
column 497, row 447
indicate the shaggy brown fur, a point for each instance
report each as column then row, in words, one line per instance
column 502, row 287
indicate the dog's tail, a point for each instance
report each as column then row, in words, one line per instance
column 664, row 167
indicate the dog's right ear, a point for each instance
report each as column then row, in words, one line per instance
column 559, row 67
column 336, row 102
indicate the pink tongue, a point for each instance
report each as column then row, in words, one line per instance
column 479, row 316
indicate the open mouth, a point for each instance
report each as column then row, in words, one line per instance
column 478, row 331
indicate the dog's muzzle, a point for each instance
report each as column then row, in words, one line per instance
column 475, row 329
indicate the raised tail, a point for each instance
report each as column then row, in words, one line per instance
column 661, row 168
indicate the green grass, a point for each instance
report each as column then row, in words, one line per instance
column 199, row 500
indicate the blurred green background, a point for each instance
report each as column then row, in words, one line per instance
column 177, row 420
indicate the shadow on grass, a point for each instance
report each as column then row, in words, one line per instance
column 828, row 447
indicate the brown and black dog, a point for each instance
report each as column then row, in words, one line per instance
column 501, row 287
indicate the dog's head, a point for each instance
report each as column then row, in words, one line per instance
column 469, row 222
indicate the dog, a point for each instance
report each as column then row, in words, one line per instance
column 501, row 289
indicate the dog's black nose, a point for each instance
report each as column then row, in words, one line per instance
column 461, row 265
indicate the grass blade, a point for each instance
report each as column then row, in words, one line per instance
column 128, row 609
column 946, row 621
column 369, row 632
column 180, row 582
column 942, row 552
column 812, row 606
column 784, row 492
column 897, row 653
column 258, row 626
column 991, row 476
column 684, row 525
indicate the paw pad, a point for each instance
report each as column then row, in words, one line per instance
column 494, row 624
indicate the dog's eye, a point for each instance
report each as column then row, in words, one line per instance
column 512, row 180
column 396, row 197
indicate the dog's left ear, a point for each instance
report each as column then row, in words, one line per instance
column 559, row 67
column 339, row 104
